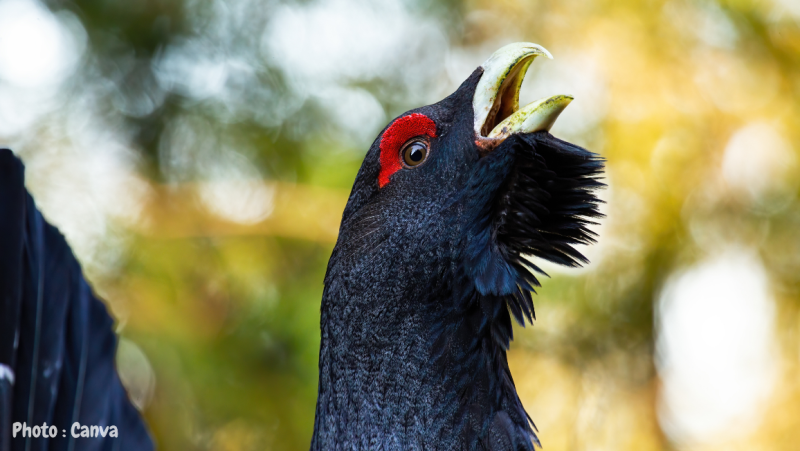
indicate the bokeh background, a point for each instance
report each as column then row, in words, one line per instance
column 197, row 154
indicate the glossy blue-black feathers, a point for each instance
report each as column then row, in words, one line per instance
column 57, row 344
column 532, row 196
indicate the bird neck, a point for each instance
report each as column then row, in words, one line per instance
column 403, row 374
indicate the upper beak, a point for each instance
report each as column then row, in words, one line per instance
column 496, row 99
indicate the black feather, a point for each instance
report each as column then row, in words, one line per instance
column 529, row 197
column 56, row 338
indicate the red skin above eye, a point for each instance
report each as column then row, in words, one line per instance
column 401, row 130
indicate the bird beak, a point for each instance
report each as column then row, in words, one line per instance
column 496, row 99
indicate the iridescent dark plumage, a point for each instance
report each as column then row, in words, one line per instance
column 57, row 344
column 424, row 280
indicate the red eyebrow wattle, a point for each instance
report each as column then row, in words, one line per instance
column 401, row 130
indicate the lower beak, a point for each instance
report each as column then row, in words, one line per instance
column 496, row 98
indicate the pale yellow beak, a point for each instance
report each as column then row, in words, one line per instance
column 496, row 98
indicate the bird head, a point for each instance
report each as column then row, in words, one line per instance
column 478, row 176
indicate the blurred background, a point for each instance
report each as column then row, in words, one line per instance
column 197, row 154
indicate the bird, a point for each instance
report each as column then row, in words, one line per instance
column 433, row 265
column 59, row 387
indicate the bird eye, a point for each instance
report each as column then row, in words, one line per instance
column 414, row 153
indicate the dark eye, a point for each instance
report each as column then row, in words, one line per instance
column 414, row 153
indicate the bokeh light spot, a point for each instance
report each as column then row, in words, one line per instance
column 36, row 48
column 715, row 350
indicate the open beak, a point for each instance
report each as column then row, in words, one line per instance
column 496, row 99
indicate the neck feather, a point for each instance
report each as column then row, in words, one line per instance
column 425, row 371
